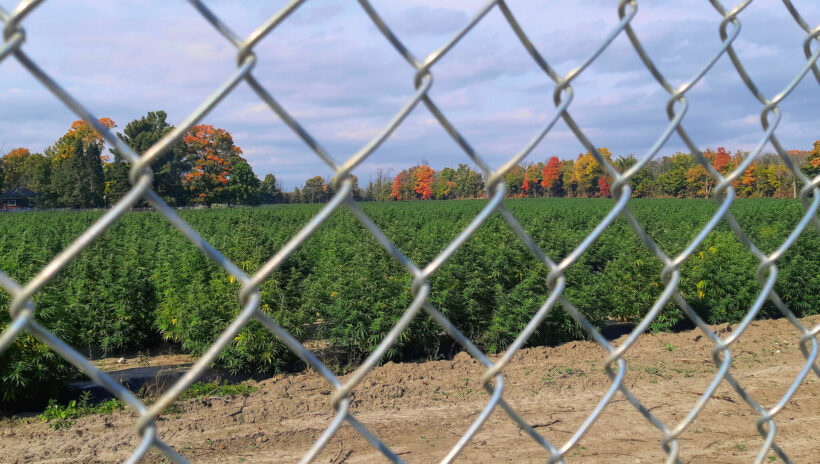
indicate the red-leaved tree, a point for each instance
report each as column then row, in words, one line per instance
column 603, row 187
column 551, row 173
column 403, row 187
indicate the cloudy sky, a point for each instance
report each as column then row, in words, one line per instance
column 332, row 69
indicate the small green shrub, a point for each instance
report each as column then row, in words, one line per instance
column 62, row 416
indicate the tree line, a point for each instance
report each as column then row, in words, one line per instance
column 203, row 168
column 676, row 176
column 206, row 167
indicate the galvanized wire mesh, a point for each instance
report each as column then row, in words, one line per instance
column 23, row 311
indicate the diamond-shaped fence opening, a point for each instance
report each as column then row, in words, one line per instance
column 556, row 449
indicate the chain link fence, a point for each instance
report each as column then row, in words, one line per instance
column 23, row 311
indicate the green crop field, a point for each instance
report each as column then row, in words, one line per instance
column 142, row 282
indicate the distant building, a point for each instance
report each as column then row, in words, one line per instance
column 17, row 198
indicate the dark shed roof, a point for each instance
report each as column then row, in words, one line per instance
column 17, row 193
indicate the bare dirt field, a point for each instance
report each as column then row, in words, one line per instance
column 421, row 409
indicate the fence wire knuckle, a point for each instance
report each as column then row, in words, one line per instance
column 23, row 311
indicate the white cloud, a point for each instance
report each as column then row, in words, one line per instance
column 333, row 71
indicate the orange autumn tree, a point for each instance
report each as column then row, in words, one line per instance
column 213, row 157
column 699, row 182
column 20, row 152
column 405, row 184
column 395, row 189
column 80, row 130
column 532, row 181
column 13, row 164
column 748, row 180
column 812, row 164
column 423, row 177
column 400, row 186
column 722, row 161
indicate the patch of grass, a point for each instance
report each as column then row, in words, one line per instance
column 217, row 389
column 62, row 416
column 144, row 359
column 686, row 372
column 173, row 408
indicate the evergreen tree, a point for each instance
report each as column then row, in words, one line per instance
column 116, row 181
column 92, row 186
column 77, row 180
column 169, row 167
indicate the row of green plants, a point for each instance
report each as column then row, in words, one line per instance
column 142, row 282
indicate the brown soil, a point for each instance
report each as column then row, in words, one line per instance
column 163, row 356
column 421, row 409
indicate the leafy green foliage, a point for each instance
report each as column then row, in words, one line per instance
column 62, row 416
column 269, row 190
column 217, row 389
column 142, row 280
